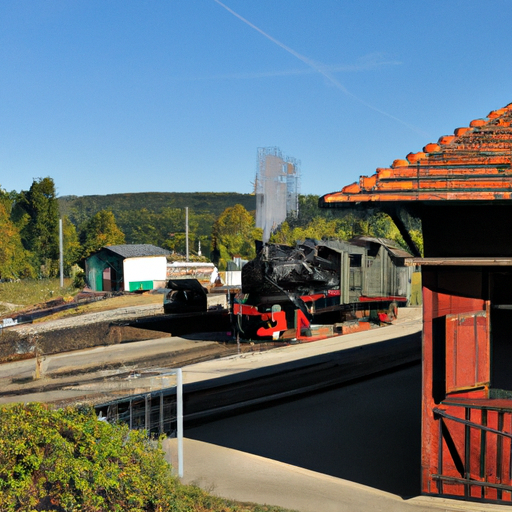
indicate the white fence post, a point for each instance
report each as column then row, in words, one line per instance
column 179, row 419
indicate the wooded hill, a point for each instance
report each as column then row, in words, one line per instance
column 81, row 208
column 219, row 225
column 158, row 218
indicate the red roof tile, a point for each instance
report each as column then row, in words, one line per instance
column 471, row 165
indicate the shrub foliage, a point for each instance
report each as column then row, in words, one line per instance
column 68, row 460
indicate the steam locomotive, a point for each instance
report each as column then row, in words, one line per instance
column 315, row 288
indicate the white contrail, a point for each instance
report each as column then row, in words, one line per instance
column 365, row 63
column 320, row 68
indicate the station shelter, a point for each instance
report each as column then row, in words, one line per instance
column 461, row 189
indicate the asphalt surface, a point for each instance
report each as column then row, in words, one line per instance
column 248, row 478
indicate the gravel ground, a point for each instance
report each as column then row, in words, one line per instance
column 123, row 313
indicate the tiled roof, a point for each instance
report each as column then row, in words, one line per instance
column 473, row 164
column 390, row 245
column 136, row 250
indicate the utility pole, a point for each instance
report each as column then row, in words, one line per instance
column 186, row 230
column 61, row 257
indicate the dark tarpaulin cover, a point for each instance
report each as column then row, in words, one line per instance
column 186, row 295
column 311, row 265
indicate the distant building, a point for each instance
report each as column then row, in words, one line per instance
column 200, row 270
column 127, row 268
column 277, row 189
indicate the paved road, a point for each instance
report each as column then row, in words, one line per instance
column 409, row 323
column 18, row 375
column 249, row 478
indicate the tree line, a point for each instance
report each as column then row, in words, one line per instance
column 323, row 224
column 29, row 233
column 29, row 227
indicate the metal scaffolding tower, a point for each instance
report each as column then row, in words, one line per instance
column 277, row 189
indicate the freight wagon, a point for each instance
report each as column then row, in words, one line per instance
column 321, row 288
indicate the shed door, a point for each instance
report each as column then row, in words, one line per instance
column 107, row 280
column 467, row 351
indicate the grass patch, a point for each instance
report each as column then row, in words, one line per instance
column 201, row 501
column 17, row 295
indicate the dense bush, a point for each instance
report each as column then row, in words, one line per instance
column 67, row 460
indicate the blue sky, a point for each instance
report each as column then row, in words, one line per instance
column 113, row 96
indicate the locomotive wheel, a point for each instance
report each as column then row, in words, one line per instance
column 393, row 311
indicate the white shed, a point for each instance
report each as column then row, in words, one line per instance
column 128, row 267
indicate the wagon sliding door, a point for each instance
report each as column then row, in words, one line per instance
column 467, row 351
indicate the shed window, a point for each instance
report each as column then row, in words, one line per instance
column 355, row 260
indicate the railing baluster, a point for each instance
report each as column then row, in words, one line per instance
column 161, row 430
column 499, row 454
column 440, row 456
column 147, row 412
column 467, row 454
column 466, row 481
column 141, row 410
column 510, row 461
column 483, row 451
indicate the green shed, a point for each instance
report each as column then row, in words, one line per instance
column 128, row 267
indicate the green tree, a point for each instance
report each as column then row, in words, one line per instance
column 166, row 228
column 234, row 231
column 317, row 223
column 283, row 235
column 71, row 245
column 101, row 230
column 38, row 213
column 172, row 228
column 309, row 211
column 66, row 460
column 417, row 238
column 14, row 259
column 319, row 229
column 140, row 226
